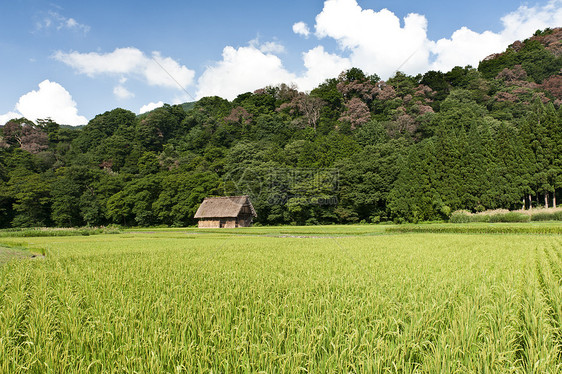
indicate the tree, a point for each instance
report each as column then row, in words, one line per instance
column 133, row 205
column 66, row 190
column 26, row 135
column 366, row 179
column 309, row 107
column 103, row 126
column 181, row 195
column 413, row 196
column 537, row 141
column 31, row 194
column 356, row 114
column 437, row 81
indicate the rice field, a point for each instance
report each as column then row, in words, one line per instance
column 353, row 299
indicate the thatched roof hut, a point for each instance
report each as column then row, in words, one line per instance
column 227, row 211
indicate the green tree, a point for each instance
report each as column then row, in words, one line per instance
column 181, row 194
column 413, row 196
column 31, row 195
column 366, row 179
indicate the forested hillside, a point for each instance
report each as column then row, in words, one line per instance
column 353, row 149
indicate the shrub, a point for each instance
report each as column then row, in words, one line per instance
column 510, row 217
column 480, row 218
column 547, row 216
column 543, row 217
column 463, row 216
column 460, row 216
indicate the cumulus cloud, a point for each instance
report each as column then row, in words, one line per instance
column 320, row 65
column 51, row 100
column 240, row 70
column 301, row 28
column 154, row 70
column 150, row 106
column 465, row 47
column 249, row 68
column 377, row 42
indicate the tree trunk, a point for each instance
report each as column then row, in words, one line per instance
column 546, row 200
column 523, row 207
column 530, row 202
column 554, row 199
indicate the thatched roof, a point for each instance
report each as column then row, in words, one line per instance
column 224, row 207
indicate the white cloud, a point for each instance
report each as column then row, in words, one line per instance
column 375, row 41
column 8, row 116
column 267, row 47
column 51, row 101
column 59, row 22
column 301, row 28
column 154, row 70
column 523, row 22
column 166, row 72
column 150, row 106
column 241, row 70
column 248, row 68
column 272, row 47
column 320, row 66
column 121, row 92
column 466, row 47
column 378, row 43
column 120, row 61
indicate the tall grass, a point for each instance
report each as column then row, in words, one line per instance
column 502, row 215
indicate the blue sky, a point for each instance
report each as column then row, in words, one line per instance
column 71, row 60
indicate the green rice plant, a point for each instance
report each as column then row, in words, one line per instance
column 187, row 301
column 478, row 228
